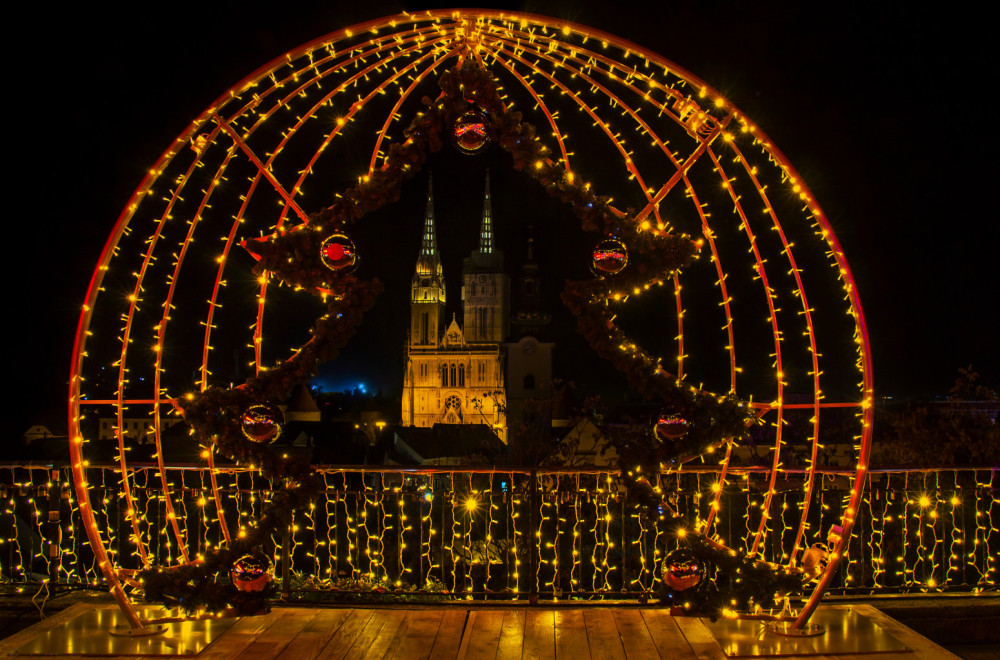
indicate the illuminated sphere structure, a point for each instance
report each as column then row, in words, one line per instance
column 787, row 333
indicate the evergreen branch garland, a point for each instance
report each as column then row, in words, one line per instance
column 292, row 256
column 743, row 582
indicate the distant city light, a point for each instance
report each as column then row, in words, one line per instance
column 326, row 384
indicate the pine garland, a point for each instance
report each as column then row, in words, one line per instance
column 293, row 256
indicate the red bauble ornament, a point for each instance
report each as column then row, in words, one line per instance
column 469, row 133
column 610, row 257
column 251, row 573
column 671, row 427
column 262, row 423
column 338, row 254
column 682, row 570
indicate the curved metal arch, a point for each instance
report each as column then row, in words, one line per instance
column 463, row 25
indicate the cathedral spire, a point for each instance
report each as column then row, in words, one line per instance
column 486, row 231
column 429, row 263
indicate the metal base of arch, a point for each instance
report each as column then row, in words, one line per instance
column 104, row 630
column 830, row 631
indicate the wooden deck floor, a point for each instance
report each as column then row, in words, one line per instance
column 295, row 633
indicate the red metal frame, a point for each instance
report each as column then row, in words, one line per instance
column 531, row 49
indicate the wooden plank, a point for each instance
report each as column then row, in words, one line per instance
column 700, row 639
column 511, row 636
column 346, row 636
column 470, row 623
column 922, row 647
column 667, row 636
column 571, row 635
column 269, row 644
column 603, row 635
column 391, row 622
column 416, row 636
column 539, row 635
column 450, row 635
column 580, row 634
column 635, row 637
column 366, row 636
column 316, row 635
column 483, row 633
column 239, row 637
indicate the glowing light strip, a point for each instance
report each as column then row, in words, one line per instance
column 817, row 396
column 220, row 512
column 259, row 165
column 603, row 125
column 549, row 116
column 158, row 348
column 657, row 141
column 342, row 121
column 616, row 100
column 776, row 332
column 212, row 300
column 647, row 129
column 393, row 114
column 484, row 23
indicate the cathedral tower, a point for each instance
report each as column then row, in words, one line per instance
column 427, row 290
column 485, row 286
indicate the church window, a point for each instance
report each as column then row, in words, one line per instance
column 453, row 375
column 424, row 323
column 453, row 409
column 461, row 375
column 444, row 375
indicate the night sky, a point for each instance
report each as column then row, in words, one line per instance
column 880, row 109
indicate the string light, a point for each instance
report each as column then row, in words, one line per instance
column 257, row 123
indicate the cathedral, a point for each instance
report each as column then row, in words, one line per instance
column 454, row 373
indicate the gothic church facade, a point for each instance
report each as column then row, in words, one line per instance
column 454, row 373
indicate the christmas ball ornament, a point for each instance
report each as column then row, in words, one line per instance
column 671, row 427
column 469, row 132
column 338, row 254
column 682, row 570
column 262, row 422
column 814, row 562
column 610, row 257
column 251, row 573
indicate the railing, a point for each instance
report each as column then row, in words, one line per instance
column 490, row 534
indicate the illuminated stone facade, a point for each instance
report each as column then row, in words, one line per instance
column 454, row 375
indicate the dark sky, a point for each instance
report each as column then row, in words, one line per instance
column 880, row 108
